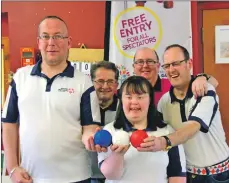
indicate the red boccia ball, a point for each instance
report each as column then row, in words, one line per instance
column 137, row 137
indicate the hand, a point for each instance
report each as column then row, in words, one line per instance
column 21, row 176
column 152, row 143
column 120, row 149
column 90, row 146
column 199, row 86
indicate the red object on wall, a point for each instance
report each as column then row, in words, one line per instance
column 85, row 20
column 168, row 4
column 27, row 56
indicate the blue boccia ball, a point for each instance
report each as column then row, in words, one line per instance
column 103, row 138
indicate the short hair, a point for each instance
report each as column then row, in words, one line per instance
column 106, row 65
column 51, row 17
column 148, row 48
column 183, row 49
column 138, row 85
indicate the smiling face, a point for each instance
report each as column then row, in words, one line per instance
column 148, row 71
column 176, row 67
column 105, row 84
column 136, row 104
column 53, row 51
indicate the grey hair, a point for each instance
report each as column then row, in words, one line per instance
column 106, row 65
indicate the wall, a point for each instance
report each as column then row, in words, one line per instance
column 4, row 23
column 86, row 22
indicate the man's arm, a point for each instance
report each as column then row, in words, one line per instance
column 182, row 134
column 90, row 117
column 10, row 136
column 199, row 119
column 213, row 81
column 10, row 143
column 200, row 84
column 88, row 138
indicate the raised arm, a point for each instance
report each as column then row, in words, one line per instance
column 199, row 86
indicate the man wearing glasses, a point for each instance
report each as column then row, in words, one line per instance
column 197, row 121
column 104, row 76
column 57, row 112
column 146, row 64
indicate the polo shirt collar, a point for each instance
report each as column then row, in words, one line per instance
column 189, row 93
column 128, row 127
column 157, row 86
column 68, row 71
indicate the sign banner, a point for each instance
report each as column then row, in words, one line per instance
column 153, row 24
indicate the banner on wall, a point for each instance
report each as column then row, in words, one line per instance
column 153, row 24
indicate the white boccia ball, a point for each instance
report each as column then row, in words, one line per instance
column 121, row 138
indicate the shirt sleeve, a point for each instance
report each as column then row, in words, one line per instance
column 161, row 104
column 10, row 112
column 89, row 106
column 177, row 162
column 204, row 109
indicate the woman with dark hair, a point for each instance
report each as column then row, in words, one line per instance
column 126, row 164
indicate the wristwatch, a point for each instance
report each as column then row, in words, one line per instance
column 203, row 74
column 168, row 143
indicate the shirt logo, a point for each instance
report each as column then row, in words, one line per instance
column 69, row 90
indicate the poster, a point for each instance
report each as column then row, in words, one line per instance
column 153, row 24
column 222, row 44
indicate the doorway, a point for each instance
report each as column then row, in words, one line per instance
column 210, row 14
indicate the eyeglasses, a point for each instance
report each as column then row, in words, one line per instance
column 141, row 62
column 174, row 64
column 56, row 37
column 102, row 82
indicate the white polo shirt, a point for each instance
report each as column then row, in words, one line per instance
column 208, row 146
column 148, row 167
column 51, row 113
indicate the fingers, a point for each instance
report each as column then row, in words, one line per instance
column 91, row 145
column 119, row 148
column 145, row 149
column 26, row 175
column 206, row 88
column 97, row 129
column 199, row 87
column 100, row 149
column 21, row 176
column 149, row 139
column 151, row 144
column 114, row 147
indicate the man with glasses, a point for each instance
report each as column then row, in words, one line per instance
column 55, row 111
column 104, row 76
column 146, row 64
column 197, row 121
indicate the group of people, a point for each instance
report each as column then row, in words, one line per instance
column 52, row 112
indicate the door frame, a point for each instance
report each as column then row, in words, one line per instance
column 197, row 24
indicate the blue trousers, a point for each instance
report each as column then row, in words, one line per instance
column 217, row 178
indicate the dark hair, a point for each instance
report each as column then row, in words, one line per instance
column 152, row 51
column 106, row 65
column 183, row 49
column 51, row 17
column 138, row 85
